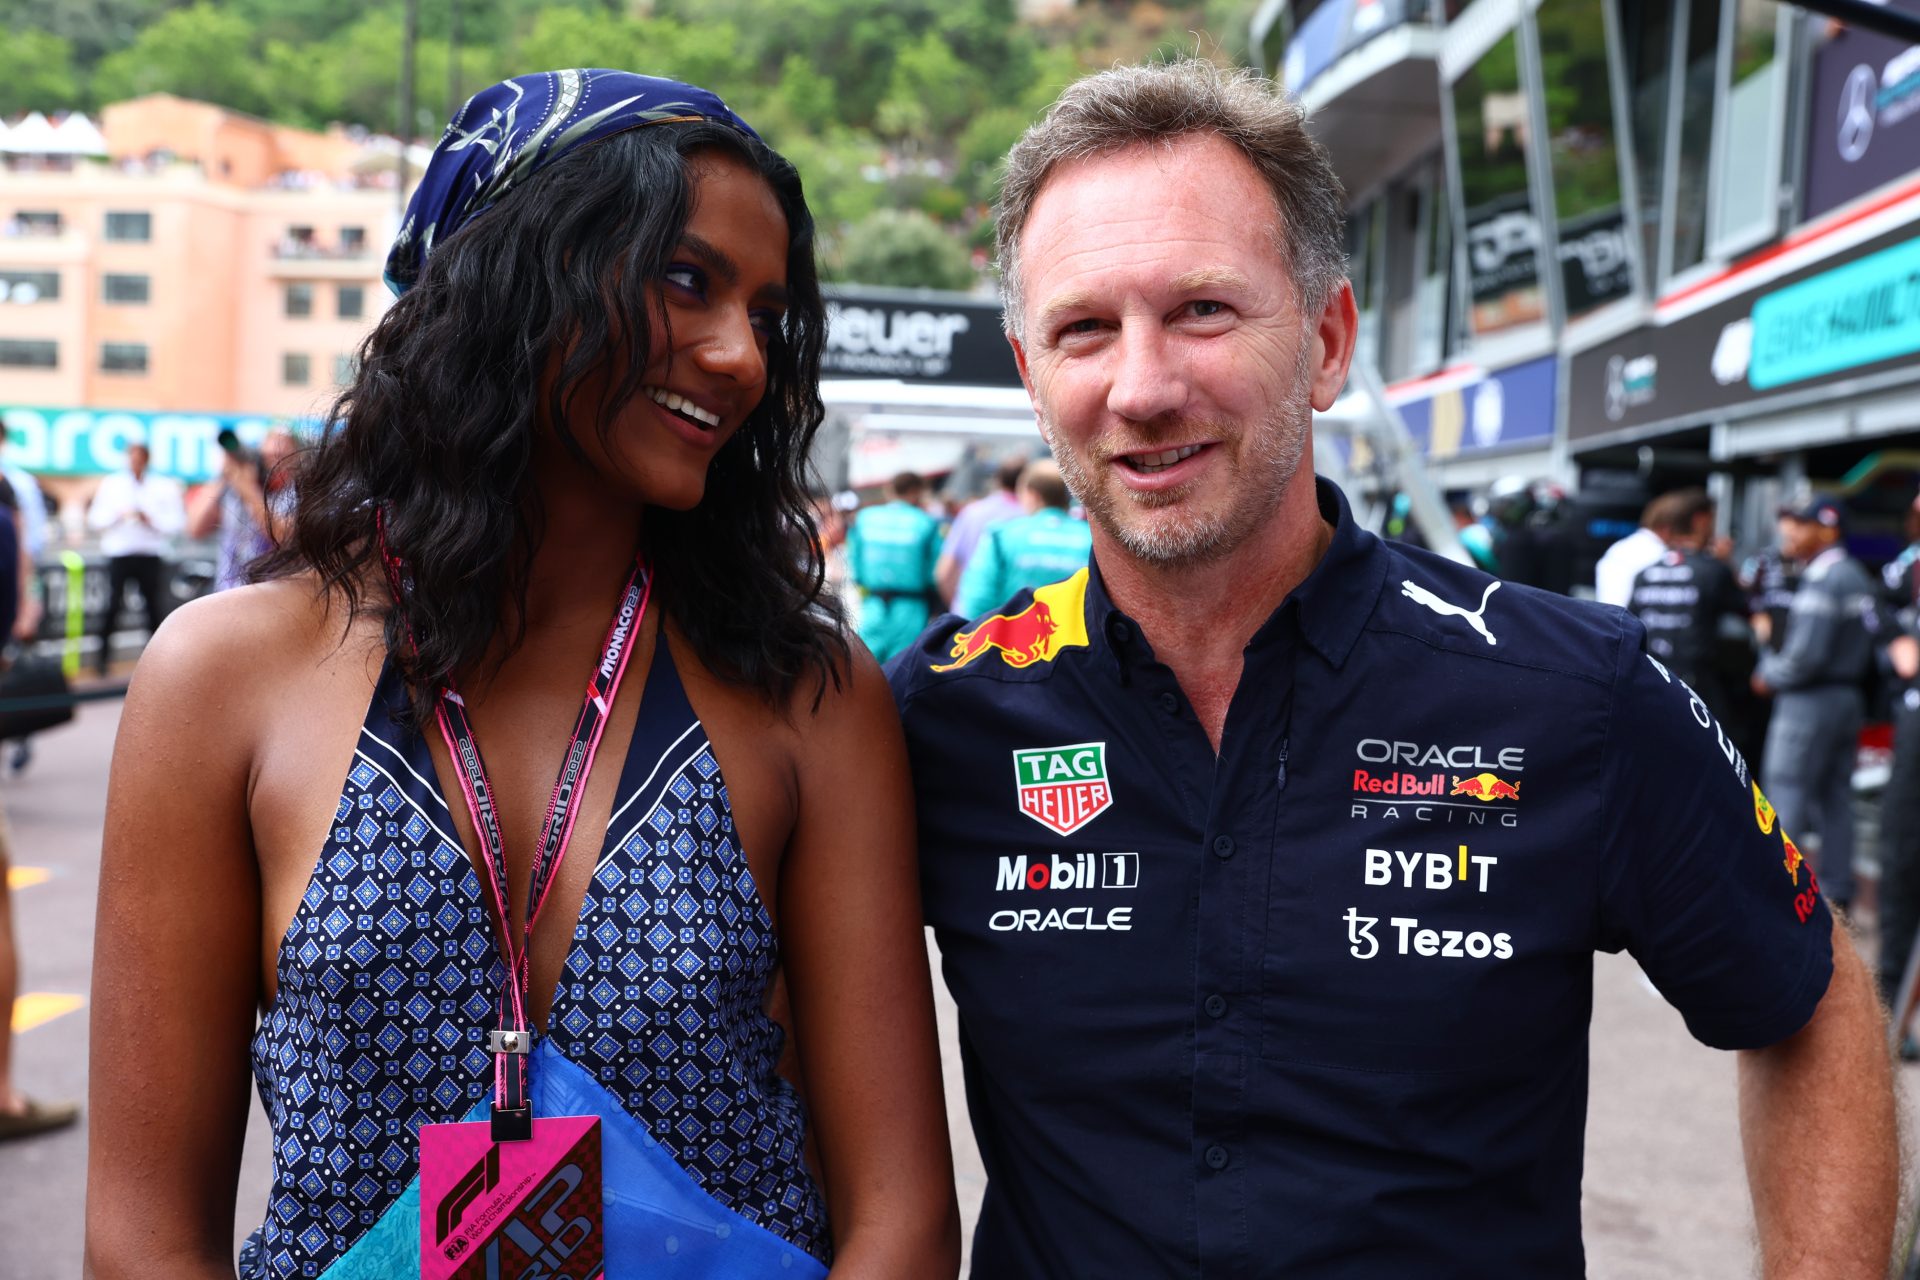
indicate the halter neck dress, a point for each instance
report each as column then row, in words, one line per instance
column 387, row 981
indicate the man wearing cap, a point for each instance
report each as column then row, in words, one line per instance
column 1815, row 679
column 1268, row 859
column 136, row 513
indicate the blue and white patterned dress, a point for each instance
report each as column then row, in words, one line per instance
column 387, row 981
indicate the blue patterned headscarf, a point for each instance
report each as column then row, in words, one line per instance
column 506, row 133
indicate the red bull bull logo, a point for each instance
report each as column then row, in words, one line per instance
column 1486, row 787
column 1794, row 860
column 1056, row 620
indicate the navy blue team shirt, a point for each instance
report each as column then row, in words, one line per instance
column 1318, row 1007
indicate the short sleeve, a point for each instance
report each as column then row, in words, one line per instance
column 1700, row 881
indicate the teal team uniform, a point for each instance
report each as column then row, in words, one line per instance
column 1031, row 551
column 891, row 551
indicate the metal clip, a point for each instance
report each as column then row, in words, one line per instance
column 510, row 1042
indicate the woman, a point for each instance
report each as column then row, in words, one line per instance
column 607, row 338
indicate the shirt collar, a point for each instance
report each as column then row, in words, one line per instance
column 1330, row 607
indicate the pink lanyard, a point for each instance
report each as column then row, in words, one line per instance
column 510, row 1044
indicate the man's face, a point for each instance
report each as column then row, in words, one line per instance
column 1173, row 370
column 137, row 459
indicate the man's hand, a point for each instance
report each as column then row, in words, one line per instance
column 27, row 624
column 1904, row 653
column 1817, row 1123
column 1760, row 686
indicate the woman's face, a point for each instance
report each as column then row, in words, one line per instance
column 716, row 308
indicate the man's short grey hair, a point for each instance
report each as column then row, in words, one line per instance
column 1161, row 103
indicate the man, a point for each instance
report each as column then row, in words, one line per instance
column 1900, row 802
column 891, row 549
column 136, row 513
column 1042, row 546
column 974, row 520
column 1266, row 858
column 243, row 505
column 1620, row 563
column 1816, row 680
column 1770, row 578
column 1681, row 598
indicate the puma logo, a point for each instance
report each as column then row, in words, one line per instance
column 1420, row 595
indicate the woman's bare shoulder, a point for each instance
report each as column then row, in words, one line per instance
column 259, row 637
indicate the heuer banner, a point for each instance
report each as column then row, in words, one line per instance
column 916, row 337
column 1853, row 314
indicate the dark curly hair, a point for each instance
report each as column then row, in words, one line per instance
column 437, row 431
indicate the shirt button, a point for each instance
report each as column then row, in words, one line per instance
column 1216, row 1157
column 1216, row 1006
column 1223, row 846
column 1170, row 704
column 1118, row 631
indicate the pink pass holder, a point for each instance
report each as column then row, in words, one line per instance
column 511, row 1208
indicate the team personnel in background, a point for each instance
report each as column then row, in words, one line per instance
column 1816, row 679
column 974, row 519
column 1900, row 803
column 891, row 551
column 1043, row 546
column 136, row 513
column 1309, row 838
column 29, row 500
column 1770, row 577
column 1622, row 562
column 1682, row 597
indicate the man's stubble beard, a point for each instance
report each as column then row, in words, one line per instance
column 1270, row 458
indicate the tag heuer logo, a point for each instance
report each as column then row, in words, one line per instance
column 1063, row 788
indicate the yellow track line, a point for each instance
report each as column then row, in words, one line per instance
column 36, row 1007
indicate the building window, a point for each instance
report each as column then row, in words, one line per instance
column 23, row 287
column 352, row 301
column 33, row 222
column 1744, row 205
column 296, row 369
column 353, row 241
column 130, row 227
column 1687, row 171
column 123, row 357
column 299, row 301
column 1595, row 267
column 1493, row 137
column 22, row 353
column 127, row 288
column 345, row 369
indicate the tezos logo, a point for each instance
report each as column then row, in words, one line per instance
column 1063, row 788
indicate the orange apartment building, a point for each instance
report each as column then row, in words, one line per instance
column 214, row 270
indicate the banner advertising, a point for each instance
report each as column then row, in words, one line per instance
column 1863, row 119
column 91, row 442
column 1854, row 314
column 932, row 337
column 1461, row 413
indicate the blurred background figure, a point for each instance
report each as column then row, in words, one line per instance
column 1682, row 597
column 1622, row 562
column 1529, row 547
column 974, row 520
column 891, row 552
column 136, row 512
column 241, row 507
column 1900, row 803
column 1045, row 545
column 20, row 1116
column 1816, row 678
column 1770, row 577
